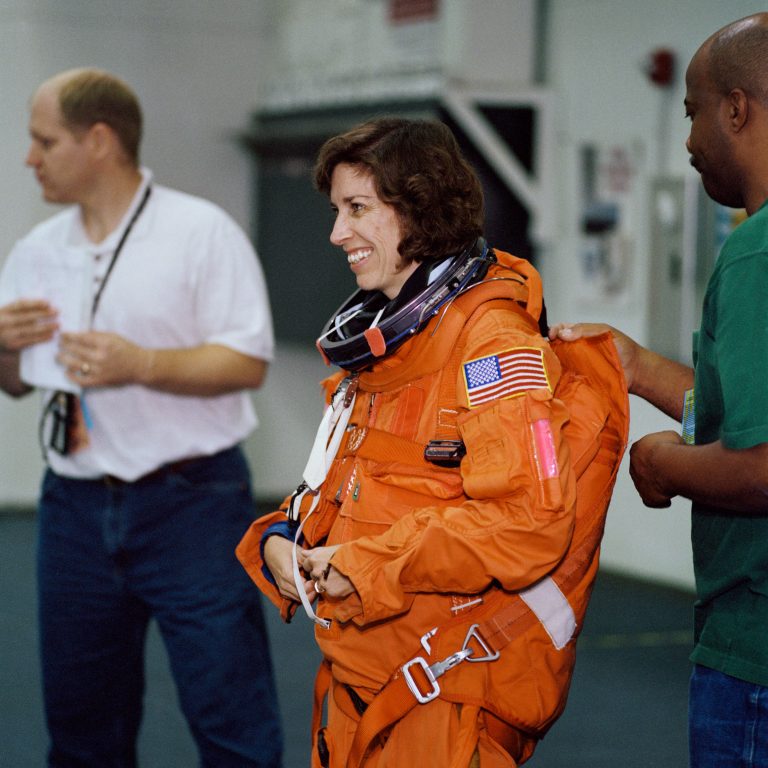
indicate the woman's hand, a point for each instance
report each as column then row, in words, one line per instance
column 277, row 557
column 325, row 578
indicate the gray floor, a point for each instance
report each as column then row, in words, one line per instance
column 627, row 706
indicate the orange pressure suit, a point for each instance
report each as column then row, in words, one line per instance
column 457, row 647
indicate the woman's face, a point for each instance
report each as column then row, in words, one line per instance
column 369, row 232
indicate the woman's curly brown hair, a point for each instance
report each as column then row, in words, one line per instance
column 418, row 169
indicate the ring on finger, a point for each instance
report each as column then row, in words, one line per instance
column 319, row 588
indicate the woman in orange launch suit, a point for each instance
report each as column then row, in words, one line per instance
column 445, row 536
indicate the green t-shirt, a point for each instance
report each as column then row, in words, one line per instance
column 730, row 550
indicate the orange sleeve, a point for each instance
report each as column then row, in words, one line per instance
column 248, row 552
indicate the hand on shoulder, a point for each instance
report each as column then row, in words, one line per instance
column 629, row 350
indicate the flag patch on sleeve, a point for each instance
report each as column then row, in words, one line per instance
column 506, row 374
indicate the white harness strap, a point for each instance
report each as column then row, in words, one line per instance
column 552, row 609
column 324, row 449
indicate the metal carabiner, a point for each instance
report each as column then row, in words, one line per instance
column 473, row 634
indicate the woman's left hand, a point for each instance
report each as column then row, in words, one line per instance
column 327, row 580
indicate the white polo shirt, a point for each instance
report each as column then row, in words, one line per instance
column 187, row 275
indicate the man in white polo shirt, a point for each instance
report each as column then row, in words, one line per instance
column 147, row 491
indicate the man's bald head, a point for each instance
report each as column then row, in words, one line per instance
column 88, row 96
column 737, row 57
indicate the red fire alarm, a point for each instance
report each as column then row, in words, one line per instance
column 660, row 66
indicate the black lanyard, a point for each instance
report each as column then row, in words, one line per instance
column 61, row 406
column 121, row 243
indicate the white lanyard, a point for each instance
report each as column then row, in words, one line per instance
column 327, row 442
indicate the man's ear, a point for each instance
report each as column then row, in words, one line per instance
column 101, row 138
column 738, row 109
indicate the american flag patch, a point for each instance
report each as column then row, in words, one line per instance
column 507, row 374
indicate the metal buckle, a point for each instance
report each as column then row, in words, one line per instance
column 439, row 668
column 347, row 389
column 422, row 698
column 294, row 506
column 473, row 634
column 431, row 672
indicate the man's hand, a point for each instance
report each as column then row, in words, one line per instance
column 655, row 378
column 644, row 467
column 98, row 359
column 627, row 348
column 26, row 322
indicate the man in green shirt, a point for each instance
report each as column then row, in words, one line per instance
column 725, row 471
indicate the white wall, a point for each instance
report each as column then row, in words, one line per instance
column 201, row 67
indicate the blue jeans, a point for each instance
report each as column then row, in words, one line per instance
column 113, row 555
column 728, row 721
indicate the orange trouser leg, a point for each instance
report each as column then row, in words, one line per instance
column 429, row 736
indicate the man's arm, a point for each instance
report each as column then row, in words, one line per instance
column 660, row 381
column 212, row 369
column 99, row 359
column 663, row 466
column 10, row 381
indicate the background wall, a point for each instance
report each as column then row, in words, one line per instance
column 201, row 68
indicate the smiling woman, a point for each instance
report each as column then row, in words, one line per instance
column 440, row 487
column 369, row 232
